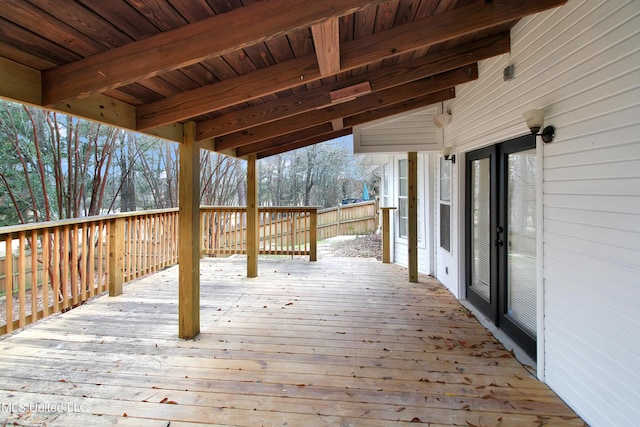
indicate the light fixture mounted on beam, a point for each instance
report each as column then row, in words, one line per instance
column 446, row 152
column 535, row 120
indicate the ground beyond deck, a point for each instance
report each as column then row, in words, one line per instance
column 337, row 342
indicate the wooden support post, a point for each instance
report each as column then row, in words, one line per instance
column 413, row 216
column 313, row 235
column 386, row 235
column 189, row 235
column 116, row 256
column 253, row 232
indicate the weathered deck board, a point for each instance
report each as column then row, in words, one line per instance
column 338, row 342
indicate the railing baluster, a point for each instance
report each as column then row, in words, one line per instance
column 34, row 275
column 73, row 238
column 65, row 267
column 56, row 270
column 45, row 272
column 21, row 279
column 82, row 262
column 100, row 237
column 93, row 230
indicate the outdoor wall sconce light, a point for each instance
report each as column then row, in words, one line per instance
column 535, row 119
column 446, row 152
column 442, row 120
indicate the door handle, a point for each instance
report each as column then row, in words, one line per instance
column 499, row 242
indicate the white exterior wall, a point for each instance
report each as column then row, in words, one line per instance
column 580, row 62
column 399, row 134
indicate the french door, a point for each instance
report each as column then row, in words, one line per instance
column 501, row 236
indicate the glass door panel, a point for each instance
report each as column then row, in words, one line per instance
column 481, row 228
column 521, row 248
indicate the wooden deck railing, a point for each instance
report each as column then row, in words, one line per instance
column 54, row 266
column 50, row 267
column 283, row 230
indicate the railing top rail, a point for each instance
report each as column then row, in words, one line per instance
column 82, row 220
column 347, row 206
column 288, row 208
column 12, row 229
column 260, row 208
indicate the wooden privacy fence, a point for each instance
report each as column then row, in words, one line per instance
column 282, row 230
column 356, row 218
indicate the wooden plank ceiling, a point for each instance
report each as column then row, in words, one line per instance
column 257, row 77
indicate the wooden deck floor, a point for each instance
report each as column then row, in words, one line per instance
column 339, row 342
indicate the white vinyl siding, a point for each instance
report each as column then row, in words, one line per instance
column 581, row 63
column 398, row 134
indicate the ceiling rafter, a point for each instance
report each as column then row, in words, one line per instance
column 360, row 105
column 189, row 44
column 357, row 53
column 323, row 132
column 382, row 79
column 301, row 143
column 326, row 38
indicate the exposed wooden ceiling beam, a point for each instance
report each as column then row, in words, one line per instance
column 22, row 84
column 384, row 78
column 360, row 52
column 317, row 131
column 301, row 143
column 365, row 103
column 401, row 107
column 19, row 82
column 326, row 38
column 186, row 45
column 323, row 133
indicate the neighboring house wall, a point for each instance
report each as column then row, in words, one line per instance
column 581, row 63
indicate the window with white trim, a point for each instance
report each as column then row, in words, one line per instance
column 403, row 198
